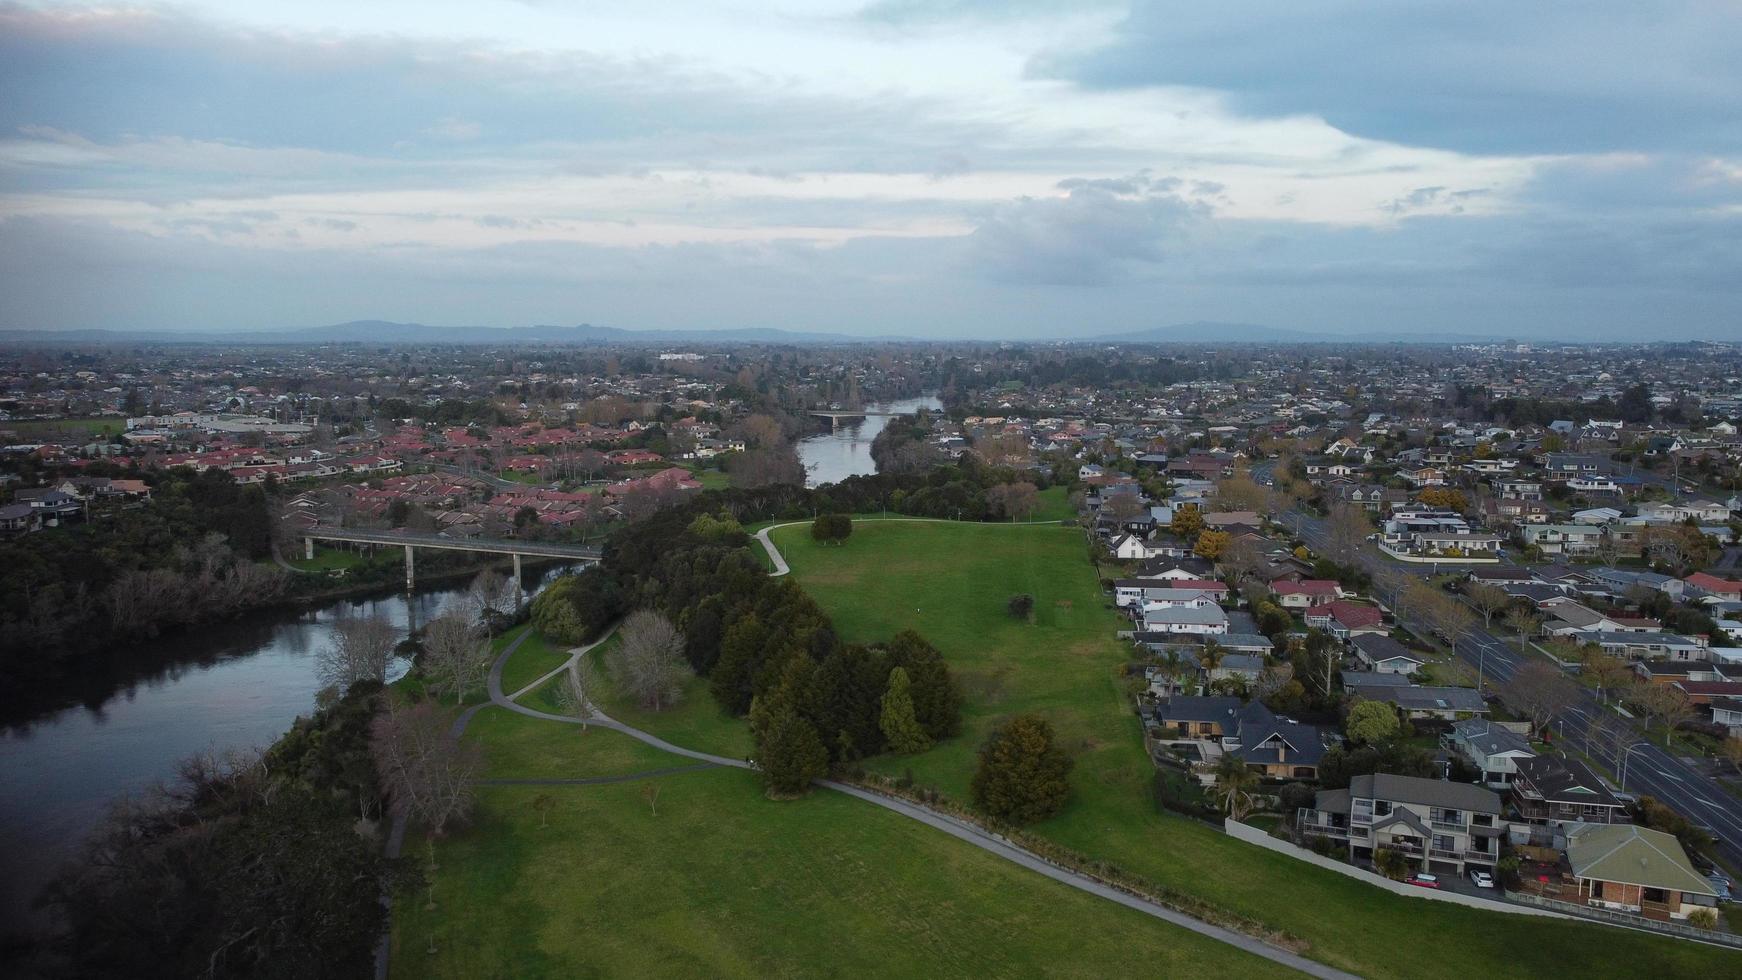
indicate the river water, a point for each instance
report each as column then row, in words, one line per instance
column 846, row 451
column 225, row 686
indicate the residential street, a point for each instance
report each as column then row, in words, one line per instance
column 1650, row 769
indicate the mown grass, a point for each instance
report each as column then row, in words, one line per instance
column 533, row 659
column 329, row 560
column 951, row 582
column 694, row 722
column 724, row 883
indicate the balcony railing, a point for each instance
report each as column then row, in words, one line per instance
column 1449, row 824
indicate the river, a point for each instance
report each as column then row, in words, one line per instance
column 833, row 456
column 231, row 685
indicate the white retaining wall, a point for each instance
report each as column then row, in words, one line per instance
column 1252, row 835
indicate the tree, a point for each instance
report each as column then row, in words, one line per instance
column 1371, row 723
column 1243, row 558
column 361, row 650
column 1016, row 501
column 1212, row 655
column 1238, row 492
column 1023, row 776
column 1211, row 544
column 832, row 528
column 1235, row 782
column 1524, row 621
column 1731, row 751
column 1124, row 506
column 455, row 658
column 900, row 728
column 1448, row 498
column 1539, row 691
column 491, row 595
column 937, row 698
column 1609, row 672
column 1347, row 528
column 1488, row 600
column 1020, row 606
column 789, row 752
column 1187, row 523
column 1666, row 703
column 428, row 774
column 648, row 662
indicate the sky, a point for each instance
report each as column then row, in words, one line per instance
column 1017, row 170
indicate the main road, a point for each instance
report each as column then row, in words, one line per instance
column 1649, row 767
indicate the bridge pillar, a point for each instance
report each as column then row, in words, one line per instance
column 308, row 548
column 519, row 589
column 410, row 577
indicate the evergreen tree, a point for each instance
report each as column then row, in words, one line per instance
column 788, row 748
column 899, row 725
column 733, row 674
column 1023, row 775
column 937, row 701
column 849, row 683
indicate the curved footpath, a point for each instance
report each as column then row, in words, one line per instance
column 959, row 829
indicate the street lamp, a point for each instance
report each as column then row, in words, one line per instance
column 1625, row 756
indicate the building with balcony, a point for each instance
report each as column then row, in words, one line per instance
column 1440, row 826
column 1547, row 789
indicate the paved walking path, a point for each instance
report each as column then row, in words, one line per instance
column 960, row 829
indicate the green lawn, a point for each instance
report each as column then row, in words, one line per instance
column 522, row 476
column 695, row 722
column 532, row 660
column 104, row 426
column 1055, row 505
column 724, row 883
column 330, row 559
column 950, row 581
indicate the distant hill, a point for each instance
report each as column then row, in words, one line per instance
column 1209, row 331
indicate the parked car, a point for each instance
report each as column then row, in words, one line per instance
column 1482, row 879
column 1424, row 880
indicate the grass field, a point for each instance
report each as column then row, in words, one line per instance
column 531, row 660
column 695, row 722
column 951, row 581
column 38, row 428
column 330, row 559
column 724, row 883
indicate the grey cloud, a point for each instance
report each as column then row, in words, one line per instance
column 1103, row 231
column 1474, row 75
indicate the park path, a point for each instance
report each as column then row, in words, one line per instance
column 960, row 829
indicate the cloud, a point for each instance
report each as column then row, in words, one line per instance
column 1474, row 75
column 1101, row 231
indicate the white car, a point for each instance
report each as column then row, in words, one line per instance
column 1482, row 879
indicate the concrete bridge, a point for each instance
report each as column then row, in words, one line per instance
column 837, row 416
column 411, row 540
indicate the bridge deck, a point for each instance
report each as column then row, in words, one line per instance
column 537, row 549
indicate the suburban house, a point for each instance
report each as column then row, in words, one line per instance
column 1131, row 592
column 1130, row 547
column 1200, row 620
column 1562, row 539
column 1706, row 586
column 1646, row 646
column 1549, row 789
column 1627, row 868
column 1384, row 655
column 1305, row 593
column 1414, row 700
column 1447, row 826
column 1728, row 712
column 1346, row 620
column 1490, row 747
column 1279, row 748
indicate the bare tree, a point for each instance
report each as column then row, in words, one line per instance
column 649, row 663
column 1014, row 500
column 1242, row 557
column 455, row 657
column 1347, row 528
column 1488, row 600
column 1239, row 492
column 361, row 650
column 1666, row 703
column 430, row 775
column 1524, row 621
column 1124, row 506
column 491, row 594
column 571, row 691
column 1540, row 691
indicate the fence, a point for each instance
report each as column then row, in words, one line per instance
column 1252, row 835
column 1631, row 921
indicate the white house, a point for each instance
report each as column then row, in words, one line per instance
column 1200, row 621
